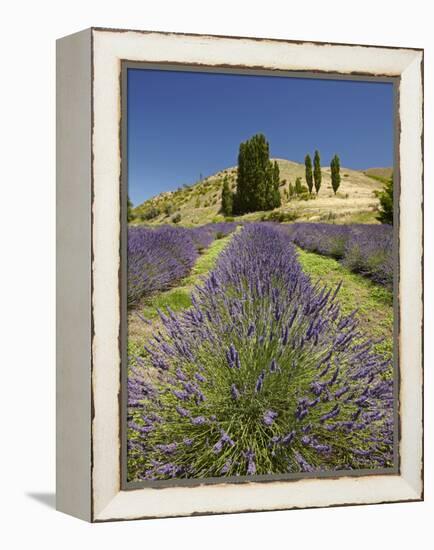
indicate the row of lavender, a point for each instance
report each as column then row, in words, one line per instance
column 362, row 248
column 262, row 375
column 159, row 257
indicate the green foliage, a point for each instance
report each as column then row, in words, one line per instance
column 317, row 171
column 308, row 172
column 298, row 189
column 150, row 213
column 381, row 179
column 197, row 203
column 386, row 203
column 328, row 216
column 227, row 198
column 176, row 218
column 168, row 209
column 130, row 215
column 276, row 200
column 335, row 173
column 258, row 178
column 291, row 191
column 280, row 217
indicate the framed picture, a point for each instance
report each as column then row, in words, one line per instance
column 240, row 281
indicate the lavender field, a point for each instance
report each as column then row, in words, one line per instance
column 269, row 369
column 159, row 257
column 364, row 249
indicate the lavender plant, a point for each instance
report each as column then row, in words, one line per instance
column 156, row 259
column 159, row 257
column 262, row 375
column 362, row 248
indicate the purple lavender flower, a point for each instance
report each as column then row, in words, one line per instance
column 167, row 449
column 273, row 365
column 226, row 467
column 302, row 462
column 251, row 465
column 234, row 392
column 269, row 417
column 224, row 440
column 331, row 414
column 288, row 438
column 182, row 411
column 198, row 420
column 259, row 382
column 199, row 377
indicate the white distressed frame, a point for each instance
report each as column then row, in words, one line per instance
column 97, row 480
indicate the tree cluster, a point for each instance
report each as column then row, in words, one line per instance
column 258, row 180
column 315, row 177
column 297, row 190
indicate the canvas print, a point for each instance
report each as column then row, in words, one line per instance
column 260, row 276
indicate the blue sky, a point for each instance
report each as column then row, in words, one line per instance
column 183, row 124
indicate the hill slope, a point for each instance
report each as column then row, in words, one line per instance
column 200, row 203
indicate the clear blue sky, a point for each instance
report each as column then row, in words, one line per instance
column 183, row 124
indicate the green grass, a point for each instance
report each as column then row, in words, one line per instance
column 373, row 302
column 358, row 217
column 381, row 179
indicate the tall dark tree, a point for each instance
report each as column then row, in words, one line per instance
column 277, row 201
column 227, row 198
column 386, row 203
column 308, row 172
column 335, row 167
column 317, row 171
column 256, row 177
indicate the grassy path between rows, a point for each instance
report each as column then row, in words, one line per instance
column 177, row 298
column 373, row 302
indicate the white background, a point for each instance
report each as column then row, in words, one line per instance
column 27, row 198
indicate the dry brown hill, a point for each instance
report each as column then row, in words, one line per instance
column 200, row 203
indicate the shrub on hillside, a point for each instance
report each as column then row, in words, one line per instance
column 280, row 217
column 150, row 213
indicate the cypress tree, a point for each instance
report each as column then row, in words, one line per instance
column 317, row 171
column 238, row 206
column 335, row 173
column 291, row 191
column 298, row 187
column 256, row 177
column 308, row 171
column 226, row 198
column 276, row 184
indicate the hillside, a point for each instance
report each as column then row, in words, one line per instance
column 200, row 203
column 380, row 173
